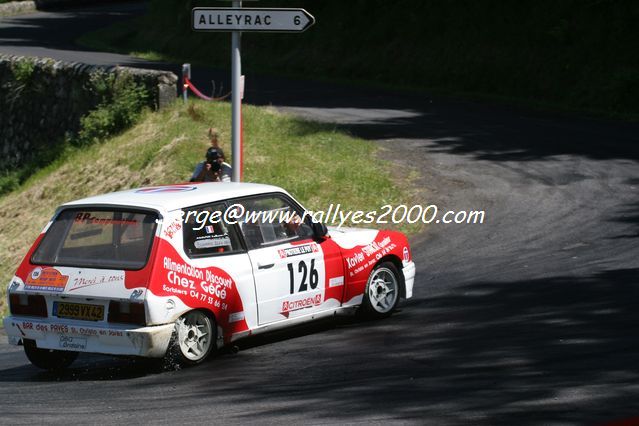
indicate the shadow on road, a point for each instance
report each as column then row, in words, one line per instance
column 91, row 367
column 529, row 352
column 68, row 24
column 629, row 215
column 484, row 131
column 561, row 349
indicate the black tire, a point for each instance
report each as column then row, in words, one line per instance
column 48, row 359
column 382, row 292
column 186, row 346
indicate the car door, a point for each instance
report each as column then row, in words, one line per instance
column 289, row 266
column 222, row 271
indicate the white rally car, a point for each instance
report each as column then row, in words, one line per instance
column 186, row 269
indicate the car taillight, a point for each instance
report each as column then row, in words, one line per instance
column 127, row 313
column 27, row 304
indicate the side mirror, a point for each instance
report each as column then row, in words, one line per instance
column 319, row 229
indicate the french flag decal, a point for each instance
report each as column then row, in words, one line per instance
column 209, row 229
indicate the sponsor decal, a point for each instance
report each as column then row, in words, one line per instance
column 298, row 250
column 289, row 306
column 236, row 316
column 14, row 285
column 35, row 274
column 336, row 282
column 89, row 219
column 211, row 285
column 47, row 279
column 406, row 254
column 66, row 329
column 89, row 281
column 169, row 188
column 73, row 343
column 172, row 229
column 369, row 255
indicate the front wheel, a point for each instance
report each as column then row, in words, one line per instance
column 48, row 359
column 194, row 337
column 382, row 291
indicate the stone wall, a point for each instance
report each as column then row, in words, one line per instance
column 26, row 6
column 16, row 7
column 41, row 100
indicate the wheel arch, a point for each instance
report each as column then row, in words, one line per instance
column 220, row 337
column 396, row 261
column 219, row 333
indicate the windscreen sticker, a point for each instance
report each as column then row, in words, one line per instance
column 47, row 279
column 212, row 242
column 90, row 219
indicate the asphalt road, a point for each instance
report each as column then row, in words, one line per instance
column 530, row 318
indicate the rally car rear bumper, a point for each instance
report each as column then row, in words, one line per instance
column 151, row 341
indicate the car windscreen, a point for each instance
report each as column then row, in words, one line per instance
column 98, row 238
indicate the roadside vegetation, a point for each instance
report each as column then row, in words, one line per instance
column 569, row 54
column 317, row 163
column 120, row 102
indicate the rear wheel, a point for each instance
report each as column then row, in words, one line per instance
column 382, row 291
column 194, row 337
column 48, row 359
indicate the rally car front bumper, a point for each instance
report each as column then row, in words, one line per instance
column 409, row 278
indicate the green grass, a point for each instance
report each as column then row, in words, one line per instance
column 316, row 163
column 566, row 54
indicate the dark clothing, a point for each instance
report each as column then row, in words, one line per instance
column 225, row 173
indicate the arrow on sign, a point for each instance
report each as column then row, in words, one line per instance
column 251, row 19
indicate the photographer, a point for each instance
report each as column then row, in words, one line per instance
column 213, row 169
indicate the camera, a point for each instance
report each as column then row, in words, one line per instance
column 215, row 166
column 212, row 156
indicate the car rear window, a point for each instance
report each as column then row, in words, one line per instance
column 114, row 239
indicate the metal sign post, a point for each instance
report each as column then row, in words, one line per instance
column 236, row 103
column 238, row 20
column 186, row 74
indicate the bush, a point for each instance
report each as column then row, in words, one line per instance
column 121, row 103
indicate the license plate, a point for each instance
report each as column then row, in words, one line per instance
column 80, row 311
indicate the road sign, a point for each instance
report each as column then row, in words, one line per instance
column 237, row 20
column 251, row 19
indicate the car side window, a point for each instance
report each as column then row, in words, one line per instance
column 270, row 220
column 206, row 233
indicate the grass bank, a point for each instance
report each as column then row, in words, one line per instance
column 317, row 163
column 566, row 54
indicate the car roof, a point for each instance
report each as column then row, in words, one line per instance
column 172, row 197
